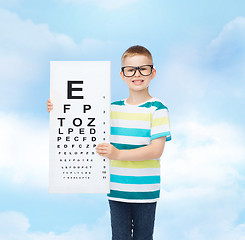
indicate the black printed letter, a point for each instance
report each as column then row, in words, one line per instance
column 71, row 89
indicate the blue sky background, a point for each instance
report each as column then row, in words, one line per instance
column 199, row 53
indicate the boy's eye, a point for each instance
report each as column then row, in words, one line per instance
column 130, row 69
column 143, row 69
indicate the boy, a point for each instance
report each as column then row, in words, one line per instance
column 139, row 130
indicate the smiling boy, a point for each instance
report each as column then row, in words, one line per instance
column 139, row 130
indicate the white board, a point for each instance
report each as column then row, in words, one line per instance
column 80, row 119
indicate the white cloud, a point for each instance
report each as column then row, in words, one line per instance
column 233, row 32
column 202, row 178
column 15, row 225
column 13, row 222
column 196, row 78
column 227, row 51
column 205, row 154
column 106, row 4
column 24, row 151
column 25, row 46
column 26, row 49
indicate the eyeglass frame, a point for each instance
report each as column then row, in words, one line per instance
column 137, row 68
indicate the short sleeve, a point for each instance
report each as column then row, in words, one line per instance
column 160, row 126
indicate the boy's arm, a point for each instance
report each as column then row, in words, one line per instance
column 152, row 151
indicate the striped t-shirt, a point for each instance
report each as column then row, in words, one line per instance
column 134, row 126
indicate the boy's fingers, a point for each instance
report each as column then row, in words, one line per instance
column 49, row 108
column 101, row 145
column 105, row 144
column 100, row 148
column 102, row 151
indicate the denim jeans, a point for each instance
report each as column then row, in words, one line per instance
column 132, row 221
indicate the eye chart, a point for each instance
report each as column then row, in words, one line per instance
column 80, row 119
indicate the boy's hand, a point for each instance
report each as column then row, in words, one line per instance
column 108, row 150
column 49, row 105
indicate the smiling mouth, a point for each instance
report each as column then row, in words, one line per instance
column 138, row 81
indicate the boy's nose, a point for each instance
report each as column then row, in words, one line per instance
column 137, row 73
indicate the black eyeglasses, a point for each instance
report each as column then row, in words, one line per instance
column 129, row 71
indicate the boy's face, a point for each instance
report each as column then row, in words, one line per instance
column 137, row 82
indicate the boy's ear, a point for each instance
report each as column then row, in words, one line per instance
column 122, row 76
column 154, row 72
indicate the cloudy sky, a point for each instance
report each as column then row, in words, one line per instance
column 199, row 53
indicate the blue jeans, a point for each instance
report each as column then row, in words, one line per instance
column 132, row 221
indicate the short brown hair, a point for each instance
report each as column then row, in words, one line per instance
column 137, row 50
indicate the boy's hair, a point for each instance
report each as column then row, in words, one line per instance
column 136, row 50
